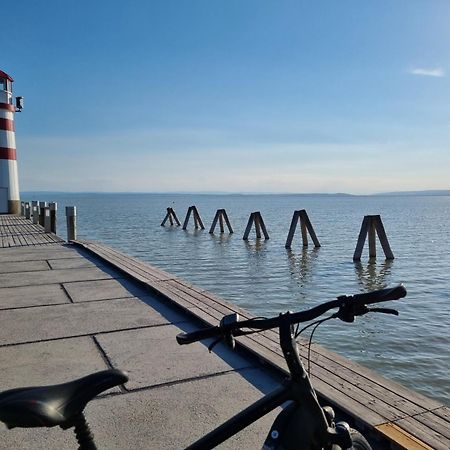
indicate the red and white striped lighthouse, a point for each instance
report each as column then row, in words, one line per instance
column 9, row 180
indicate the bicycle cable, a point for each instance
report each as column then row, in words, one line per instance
column 315, row 325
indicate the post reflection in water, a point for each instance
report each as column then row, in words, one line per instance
column 300, row 265
column 221, row 238
column 255, row 246
column 372, row 275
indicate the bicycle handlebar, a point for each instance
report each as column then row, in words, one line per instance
column 381, row 295
column 353, row 305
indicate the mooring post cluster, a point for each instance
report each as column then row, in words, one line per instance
column 371, row 225
column 45, row 215
column 220, row 216
column 256, row 219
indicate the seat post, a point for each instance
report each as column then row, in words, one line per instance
column 83, row 433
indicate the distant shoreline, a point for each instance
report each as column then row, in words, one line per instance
column 442, row 192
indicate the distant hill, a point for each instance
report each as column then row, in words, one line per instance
column 435, row 192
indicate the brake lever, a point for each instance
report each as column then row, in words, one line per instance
column 227, row 333
column 384, row 311
column 348, row 311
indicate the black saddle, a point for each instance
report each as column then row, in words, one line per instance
column 48, row 406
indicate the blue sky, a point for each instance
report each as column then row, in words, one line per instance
column 231, row 95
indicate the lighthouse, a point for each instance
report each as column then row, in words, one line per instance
column 9, row 180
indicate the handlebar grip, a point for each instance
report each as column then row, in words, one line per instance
column 194, row 336
column 382, row 295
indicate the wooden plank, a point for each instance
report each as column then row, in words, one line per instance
column 443, row 412
column 424, row 432
column 402, row 438
column 438, row 424
column 19, row 232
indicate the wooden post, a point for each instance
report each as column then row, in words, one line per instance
column 371, row 238
column 35, row 206
column 257, row 226
column 383, row 238
column 35, row 213
column 53, row 208
column 27, row 210
column 71, row 217
column 256, row 218
column 248, row 228
column 227, row 221
column 197, row 219
column 170, row 216
column 305, row 226
column 220, row 216
column 370, row 226
column 42, row 205
column 47, row 220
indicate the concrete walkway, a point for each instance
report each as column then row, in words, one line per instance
column 64, row 314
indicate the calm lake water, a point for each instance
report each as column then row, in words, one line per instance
column 265, row 278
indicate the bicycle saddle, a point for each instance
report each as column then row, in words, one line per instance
column 48, row 406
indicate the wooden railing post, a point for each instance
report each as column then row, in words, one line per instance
column 42, row 205
column 256, row 218
column 34, row 209
column 35, row 213
column 371, row 226
column 47, row 220
column 71, row 217
column 170, row 216
column 53, row 208
column 197, row 219
column 27, row 210
column 305, row 226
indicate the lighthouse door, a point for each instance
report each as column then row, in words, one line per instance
column 3, row 200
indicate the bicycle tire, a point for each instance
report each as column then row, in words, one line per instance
column 359, row 441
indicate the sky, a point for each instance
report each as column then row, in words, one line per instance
column 230, row 95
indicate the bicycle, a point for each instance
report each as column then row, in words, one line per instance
column 302, row 424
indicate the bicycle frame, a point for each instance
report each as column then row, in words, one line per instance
column 301, row 425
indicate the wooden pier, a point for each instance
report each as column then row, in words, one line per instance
column 109, row 309
column 16, row 231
